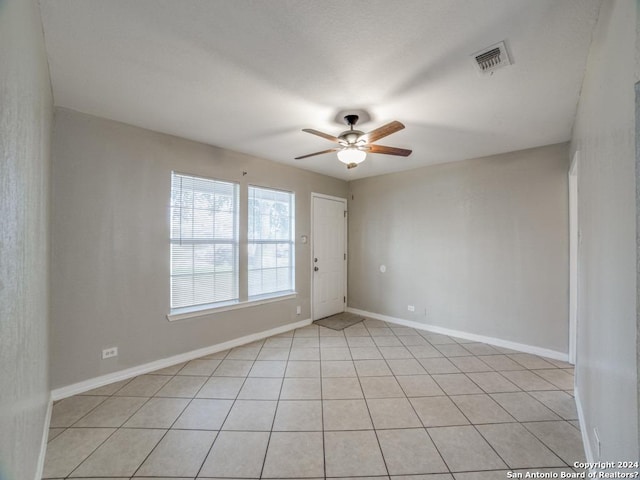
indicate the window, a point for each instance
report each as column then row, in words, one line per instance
column 205, row 245
column 270, row 241
column 204, row 241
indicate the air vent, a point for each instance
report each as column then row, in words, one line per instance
column 491, row 58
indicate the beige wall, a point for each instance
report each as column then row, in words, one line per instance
column 481, row 245
column 25, row 129
column 110, row 249
column 604, row 135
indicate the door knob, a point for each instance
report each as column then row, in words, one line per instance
column 315, row 269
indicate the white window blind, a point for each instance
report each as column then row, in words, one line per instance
column 204, row 241
column 270, row 241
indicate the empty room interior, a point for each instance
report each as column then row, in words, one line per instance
column 318, row 239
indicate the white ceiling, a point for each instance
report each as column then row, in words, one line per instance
column 248, row 75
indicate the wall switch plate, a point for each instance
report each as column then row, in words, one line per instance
column 298, row 310
column 411, row 308
column 109, row 352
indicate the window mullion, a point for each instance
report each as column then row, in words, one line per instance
column 243, row 261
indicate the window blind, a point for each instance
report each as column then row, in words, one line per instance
column 271, row 265
column 204, row 241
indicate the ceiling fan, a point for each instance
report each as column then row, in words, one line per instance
column 355, row 144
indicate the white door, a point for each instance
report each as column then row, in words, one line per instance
column 329, row 255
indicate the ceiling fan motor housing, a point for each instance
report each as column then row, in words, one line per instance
column 350, row 137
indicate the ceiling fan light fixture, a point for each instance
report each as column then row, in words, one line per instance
column 353, row 145
column 351, row 155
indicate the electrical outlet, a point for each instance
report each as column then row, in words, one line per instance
column 411, row 308
column 596, row 437
column 109, row 352
column 298, row 310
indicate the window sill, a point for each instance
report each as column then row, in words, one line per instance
column 200, row 311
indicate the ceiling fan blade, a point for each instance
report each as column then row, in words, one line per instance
column 402, row 152
column 321, row 134
column 318, row 153
column 382, row 131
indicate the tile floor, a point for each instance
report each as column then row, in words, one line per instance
column 374, row 400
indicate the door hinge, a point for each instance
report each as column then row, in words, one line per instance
column 345, row 256
column 344, row 299
column 345, row 214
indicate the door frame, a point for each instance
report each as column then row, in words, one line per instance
column 315, row 195
column 574, row 246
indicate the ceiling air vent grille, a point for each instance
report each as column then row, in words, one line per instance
column 491, row 58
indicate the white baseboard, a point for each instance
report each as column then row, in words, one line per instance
column 586, row 441
column 521, row 347
column 86, row 385
column 45, row 438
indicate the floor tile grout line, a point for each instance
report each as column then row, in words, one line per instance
column 472, row 424
column 477, row 430
column 475, row 427
column 536, row 400
column 275, row 413
column 549, row 407
column 177, row 416
column 545, row 443
column 160, row 440
column 96, row 406
column 92, row 452
column 90, row 411
column 204, row 459
column 324, row 448
column 182, row 412
column 116, row 429
column 505, row 462
column 418, row 416
column 348, row 429
column 384, row 460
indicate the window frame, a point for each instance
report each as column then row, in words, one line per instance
column 242, row 257
column 290, row 241
column 234, row 241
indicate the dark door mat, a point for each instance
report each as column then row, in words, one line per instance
column 340, row 321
